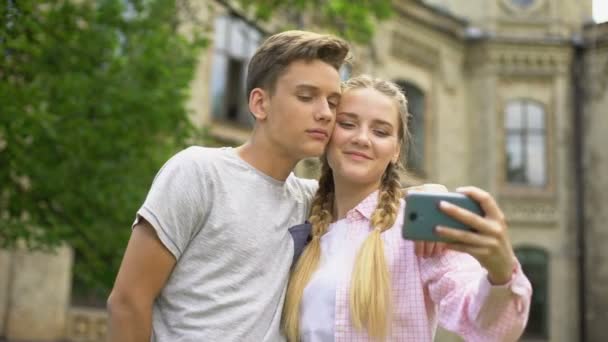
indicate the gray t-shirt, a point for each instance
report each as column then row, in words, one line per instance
column 227, row 224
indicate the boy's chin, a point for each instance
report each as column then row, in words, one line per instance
column 313, row 152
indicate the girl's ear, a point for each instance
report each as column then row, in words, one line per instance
column 397, row 154
column 258, row 102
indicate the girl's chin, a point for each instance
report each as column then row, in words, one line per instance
column 358, row 178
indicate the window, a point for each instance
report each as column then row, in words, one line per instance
column 534, row 262
column 414, row 160
column 525, row 146
column 346, row 71
column 235, row 42
column 523, row 3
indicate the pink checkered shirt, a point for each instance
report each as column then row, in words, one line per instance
column 451, row 290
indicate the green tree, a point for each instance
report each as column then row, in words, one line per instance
column 353, row 20
column 91, row 104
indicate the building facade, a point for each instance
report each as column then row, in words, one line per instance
column 507, row 95
column 496, row 89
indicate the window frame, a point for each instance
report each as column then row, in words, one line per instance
column 252, row 37
column 545, row 328
column 509, row 189
column 423, row 170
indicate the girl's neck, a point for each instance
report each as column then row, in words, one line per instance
column 348, row 195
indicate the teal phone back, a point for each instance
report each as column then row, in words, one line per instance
column 422, row 214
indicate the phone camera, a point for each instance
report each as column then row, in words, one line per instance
column 413, row 216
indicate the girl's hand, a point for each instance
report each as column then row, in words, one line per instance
column 428, row 249
column 490, row 244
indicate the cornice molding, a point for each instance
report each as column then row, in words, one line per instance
column 511, row 9
column 517, row 60
column 407, row 48
column 432, row 17
column 519, row 212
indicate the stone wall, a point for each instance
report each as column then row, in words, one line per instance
column 87, row 325
column 595, row 162
column 35, row 294
column 5, row 271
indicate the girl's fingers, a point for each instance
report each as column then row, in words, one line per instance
column 485, row 200
column 467, row 217
column 428, row 249
column 474, row 251
column 460, row 236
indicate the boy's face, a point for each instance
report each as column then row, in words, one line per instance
column 301, row 113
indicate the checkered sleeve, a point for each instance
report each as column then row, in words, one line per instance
column 469, row 305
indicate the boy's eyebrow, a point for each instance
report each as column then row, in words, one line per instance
column 350, row 115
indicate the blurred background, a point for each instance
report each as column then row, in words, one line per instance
column 507, row 95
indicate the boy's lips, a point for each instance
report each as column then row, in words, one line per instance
column 318, row 133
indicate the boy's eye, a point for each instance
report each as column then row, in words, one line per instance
column 305, row 98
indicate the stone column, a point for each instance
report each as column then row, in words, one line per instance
column 39, row 295
column 5, row 267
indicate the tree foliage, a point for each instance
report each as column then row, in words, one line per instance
column 91, row 104
column 353, row 20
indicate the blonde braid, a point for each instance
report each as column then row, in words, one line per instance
column 370, row 296
column 388, row 203
column 320, row 218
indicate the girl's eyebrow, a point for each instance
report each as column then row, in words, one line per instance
column 375, row 121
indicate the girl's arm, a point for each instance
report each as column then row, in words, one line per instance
column 486, row 292
column 469, row 305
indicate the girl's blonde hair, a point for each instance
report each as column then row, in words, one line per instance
column 370, row 293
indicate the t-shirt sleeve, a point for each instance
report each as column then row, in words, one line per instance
column 310, row 187
column 175, row 206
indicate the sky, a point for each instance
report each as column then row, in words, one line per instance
column 600, row 11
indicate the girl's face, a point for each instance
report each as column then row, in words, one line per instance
column 366, row 137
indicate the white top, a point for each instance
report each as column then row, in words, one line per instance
column 319, row 298
column 226, row 223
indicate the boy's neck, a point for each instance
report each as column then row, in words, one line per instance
column 267, row 159
column 349, row 195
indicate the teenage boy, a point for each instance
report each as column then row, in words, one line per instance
column 210, row 252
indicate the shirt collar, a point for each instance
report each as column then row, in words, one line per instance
column 365, row 208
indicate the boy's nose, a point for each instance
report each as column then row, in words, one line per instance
column 324, row 113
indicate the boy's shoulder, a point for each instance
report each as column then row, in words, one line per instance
column 305, row 186
column 196, row 152
column 200, row 156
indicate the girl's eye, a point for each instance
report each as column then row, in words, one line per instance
column 381, row 133
column 346, row 124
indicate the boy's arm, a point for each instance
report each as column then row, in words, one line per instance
column 144, row 270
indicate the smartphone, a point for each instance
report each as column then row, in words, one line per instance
column 422, row 214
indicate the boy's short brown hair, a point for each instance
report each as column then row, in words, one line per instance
column 279, row 50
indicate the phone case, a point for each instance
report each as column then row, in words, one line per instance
column 422, row 214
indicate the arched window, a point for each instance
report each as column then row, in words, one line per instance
column 235, row 42
column 535, row 263
column 525, row 143
column 414, row 160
